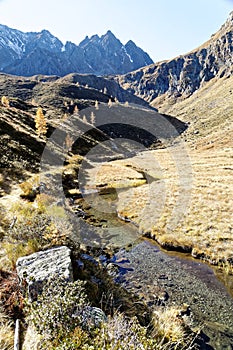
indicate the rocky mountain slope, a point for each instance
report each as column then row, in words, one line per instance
column 51, row 90
column 42, row 53
column 209, row 113
column 180, row 77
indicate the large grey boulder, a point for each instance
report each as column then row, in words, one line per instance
column 35, row 269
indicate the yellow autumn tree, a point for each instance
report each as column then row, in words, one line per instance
column 5, row 101
column 41, row 124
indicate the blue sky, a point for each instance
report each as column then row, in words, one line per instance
column 163, row 28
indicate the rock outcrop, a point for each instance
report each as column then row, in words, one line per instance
column 35, row 269
column 183, row 75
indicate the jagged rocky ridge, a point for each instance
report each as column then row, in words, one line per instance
column 42, row 53
column 183, row 75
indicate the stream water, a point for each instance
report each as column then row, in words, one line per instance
column 168, row 278
column 161, row 278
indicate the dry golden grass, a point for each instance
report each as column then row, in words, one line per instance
column 206, row 229
column 114, row 175
column 169, row 325
column 209, row 112
column 179, row 212
column 6, row 333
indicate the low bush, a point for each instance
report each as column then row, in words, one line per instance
column 58, row 310
column 29, row 189
column 119, row 333
column 33, row 229
column 11, row 299
column 59, row 317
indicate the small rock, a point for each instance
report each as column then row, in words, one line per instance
column 80, row 264
column 91, row 316
column 162, row 277
column 89, row 258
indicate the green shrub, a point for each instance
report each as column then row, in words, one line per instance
column 119, row 333
column 15, row 250
column 53, row 313
column 30, row 228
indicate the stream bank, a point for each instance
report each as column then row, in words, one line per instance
column 164, row 279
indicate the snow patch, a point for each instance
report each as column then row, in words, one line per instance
column 15, row 40
column 15, row 47
column 130, row 58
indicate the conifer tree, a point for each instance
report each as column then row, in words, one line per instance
column 92, row 118
column 76, row 110
column 109, row 103
column 96, row 104
column 5, row 101
column 41, row 124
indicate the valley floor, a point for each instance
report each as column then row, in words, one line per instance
column 185, row 201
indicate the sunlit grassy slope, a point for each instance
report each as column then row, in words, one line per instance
column 189, row 203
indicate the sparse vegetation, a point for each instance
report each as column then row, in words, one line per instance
column 109, row 103
column 76, row 110
column 4, row 222
column 28, row 234
column 69, row 142
column 33, row 229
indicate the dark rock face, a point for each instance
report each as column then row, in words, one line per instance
column 28, row 54
column 185, row 74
